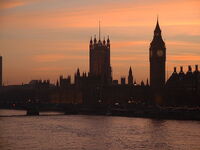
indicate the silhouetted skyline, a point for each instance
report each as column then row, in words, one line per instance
column 43, row 39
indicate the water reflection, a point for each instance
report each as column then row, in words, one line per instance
column 159, row 137
column 80, row 132
column 10, row 112
column 18, row 113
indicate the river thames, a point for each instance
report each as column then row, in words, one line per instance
column 53, row 131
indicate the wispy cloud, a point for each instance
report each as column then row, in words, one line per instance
column 5, row 4
column 120, row 14
column 52, row 33
column 56, row 57
column 48, row 69
column 185, row 58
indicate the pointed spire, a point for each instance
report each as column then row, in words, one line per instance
column 99, row 31
column 157, row 28
column 130, row 77
column 157, row 18
column 130, row 70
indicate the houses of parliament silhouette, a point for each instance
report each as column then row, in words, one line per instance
column 98, row 87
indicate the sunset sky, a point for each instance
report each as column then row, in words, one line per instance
column 42, row 39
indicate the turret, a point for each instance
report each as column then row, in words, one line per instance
column 181, row 70
column 78, row 73
column 181, row 73
column 95, row 40
column 99, row 42
column 147, row 84
column 130, row 77
column 196, row 75
column 174, row 71
column 196, row 68
column 108, row 42
column 104, row 41
column 175, row 75
column 83, row 74
column 189, row 69
column 91, row 41
column 61, row 77
column 189, row 72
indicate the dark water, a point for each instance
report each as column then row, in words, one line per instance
column 61, row 132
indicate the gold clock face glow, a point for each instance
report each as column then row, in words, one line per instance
column 160, row 53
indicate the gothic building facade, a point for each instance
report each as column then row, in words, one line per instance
column 100, row 60
column 183, row 88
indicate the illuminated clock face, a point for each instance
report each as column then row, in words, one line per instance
column 160, row 53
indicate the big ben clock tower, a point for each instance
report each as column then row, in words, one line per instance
column 157, row 57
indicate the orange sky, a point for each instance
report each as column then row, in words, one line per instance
column 42, row 39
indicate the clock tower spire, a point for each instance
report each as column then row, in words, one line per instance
column 157, row 58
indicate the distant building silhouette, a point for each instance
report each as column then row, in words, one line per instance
column 38, row 84
column 183, row 88
column 100, row 59
column 77, row 77
column 115, row 82
column 130, row 77
column 188, row 81
column 1, row 72
column 123, row 81
column 65, row 82
column 157, row 57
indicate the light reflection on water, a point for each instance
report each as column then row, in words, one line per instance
column 79, row 132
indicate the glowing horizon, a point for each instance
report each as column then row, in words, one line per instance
column 42, row 39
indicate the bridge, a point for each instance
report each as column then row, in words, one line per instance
column 132, row 110
column 34, row 107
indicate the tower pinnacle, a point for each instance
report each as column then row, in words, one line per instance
column 99, row 31
column 157, row 29
column 130, row 77
column 130, row 70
